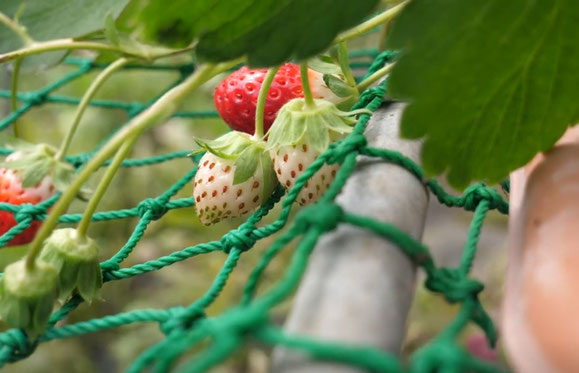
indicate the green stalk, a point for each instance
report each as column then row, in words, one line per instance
column 89, row 94
column 161, row 109
column 364, row 84
column 16, row 28
column 69, row 43
column 370, row 24
column 104, row 184
column 260, row 108
column 306, row 86
column 344, row 61
column 13, row 92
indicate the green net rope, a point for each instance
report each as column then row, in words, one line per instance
column 188, row 326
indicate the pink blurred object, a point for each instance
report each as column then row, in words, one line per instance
column 477, row 345
column 540, row 323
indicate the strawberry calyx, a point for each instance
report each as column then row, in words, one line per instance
column 247, row 153
column 34, row 162
column 318, row 126
column 76, row 258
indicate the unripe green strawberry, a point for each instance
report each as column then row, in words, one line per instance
column 76, row 259
column 233, row 182
column 27, row 296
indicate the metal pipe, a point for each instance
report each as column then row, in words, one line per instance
column 358, row 287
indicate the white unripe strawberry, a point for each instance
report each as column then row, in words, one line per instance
column 296, row 139
column 235, row 182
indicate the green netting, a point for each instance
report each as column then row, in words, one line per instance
column 221, row 335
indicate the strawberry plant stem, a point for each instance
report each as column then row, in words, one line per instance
column 306, row 85
column 69, row 43
column 13, row 92
column 374, row 77
column 161, row 109
column 89, row 94
column 370, row 24
column 260, row 108
column 104, row 184
column 16, row 28
column 344, row 61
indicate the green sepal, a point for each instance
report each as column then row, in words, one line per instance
column 27, row 296
column 76, row 259
column 228, row 146
column 246, row 164
column 296, row 121
column 269, row 177
column 339, row 87
column 324, row 65
column 34, row 162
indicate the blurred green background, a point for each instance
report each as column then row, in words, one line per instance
column 182, row 283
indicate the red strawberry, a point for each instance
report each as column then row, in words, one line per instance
column 11, row 191
column 236, row 96
column 234, row 183
column 292, row 160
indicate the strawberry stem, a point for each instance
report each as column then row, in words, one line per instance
column 69, row 43
column 306, row 86
column 364, row 84
column 13, row 92
column 344, row 61
column 260, row 108
column 370, row 24
column 104, row 184
column 160, row 110
column 89, row 94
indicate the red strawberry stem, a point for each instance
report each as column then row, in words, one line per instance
column 14, row 92
column 89, row 94
column 260, row 108
column 160, row 110
column 104, row 184
column 306, row 86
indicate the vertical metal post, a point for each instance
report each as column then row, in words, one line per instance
column 358, row 287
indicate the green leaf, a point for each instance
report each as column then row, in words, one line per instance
column 246, row 164
column 490, row 82
column 269, row 32
column 52, row 19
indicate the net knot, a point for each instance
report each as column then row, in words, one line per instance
column 34, row 98
column 342, row 148
column 134, row 108
column 180, row 319
column 323, row 215
column 156, row 207
column 237, row 238
column 370, row 94
column 19, row 344
column 479, row 192
column 455, row 286
column 28, row 211
column 79, row 159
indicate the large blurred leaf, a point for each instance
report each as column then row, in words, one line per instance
column 51, row 19
column 490, row 82
column 267, row 31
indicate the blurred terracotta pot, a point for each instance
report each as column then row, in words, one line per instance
column 541, row 305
